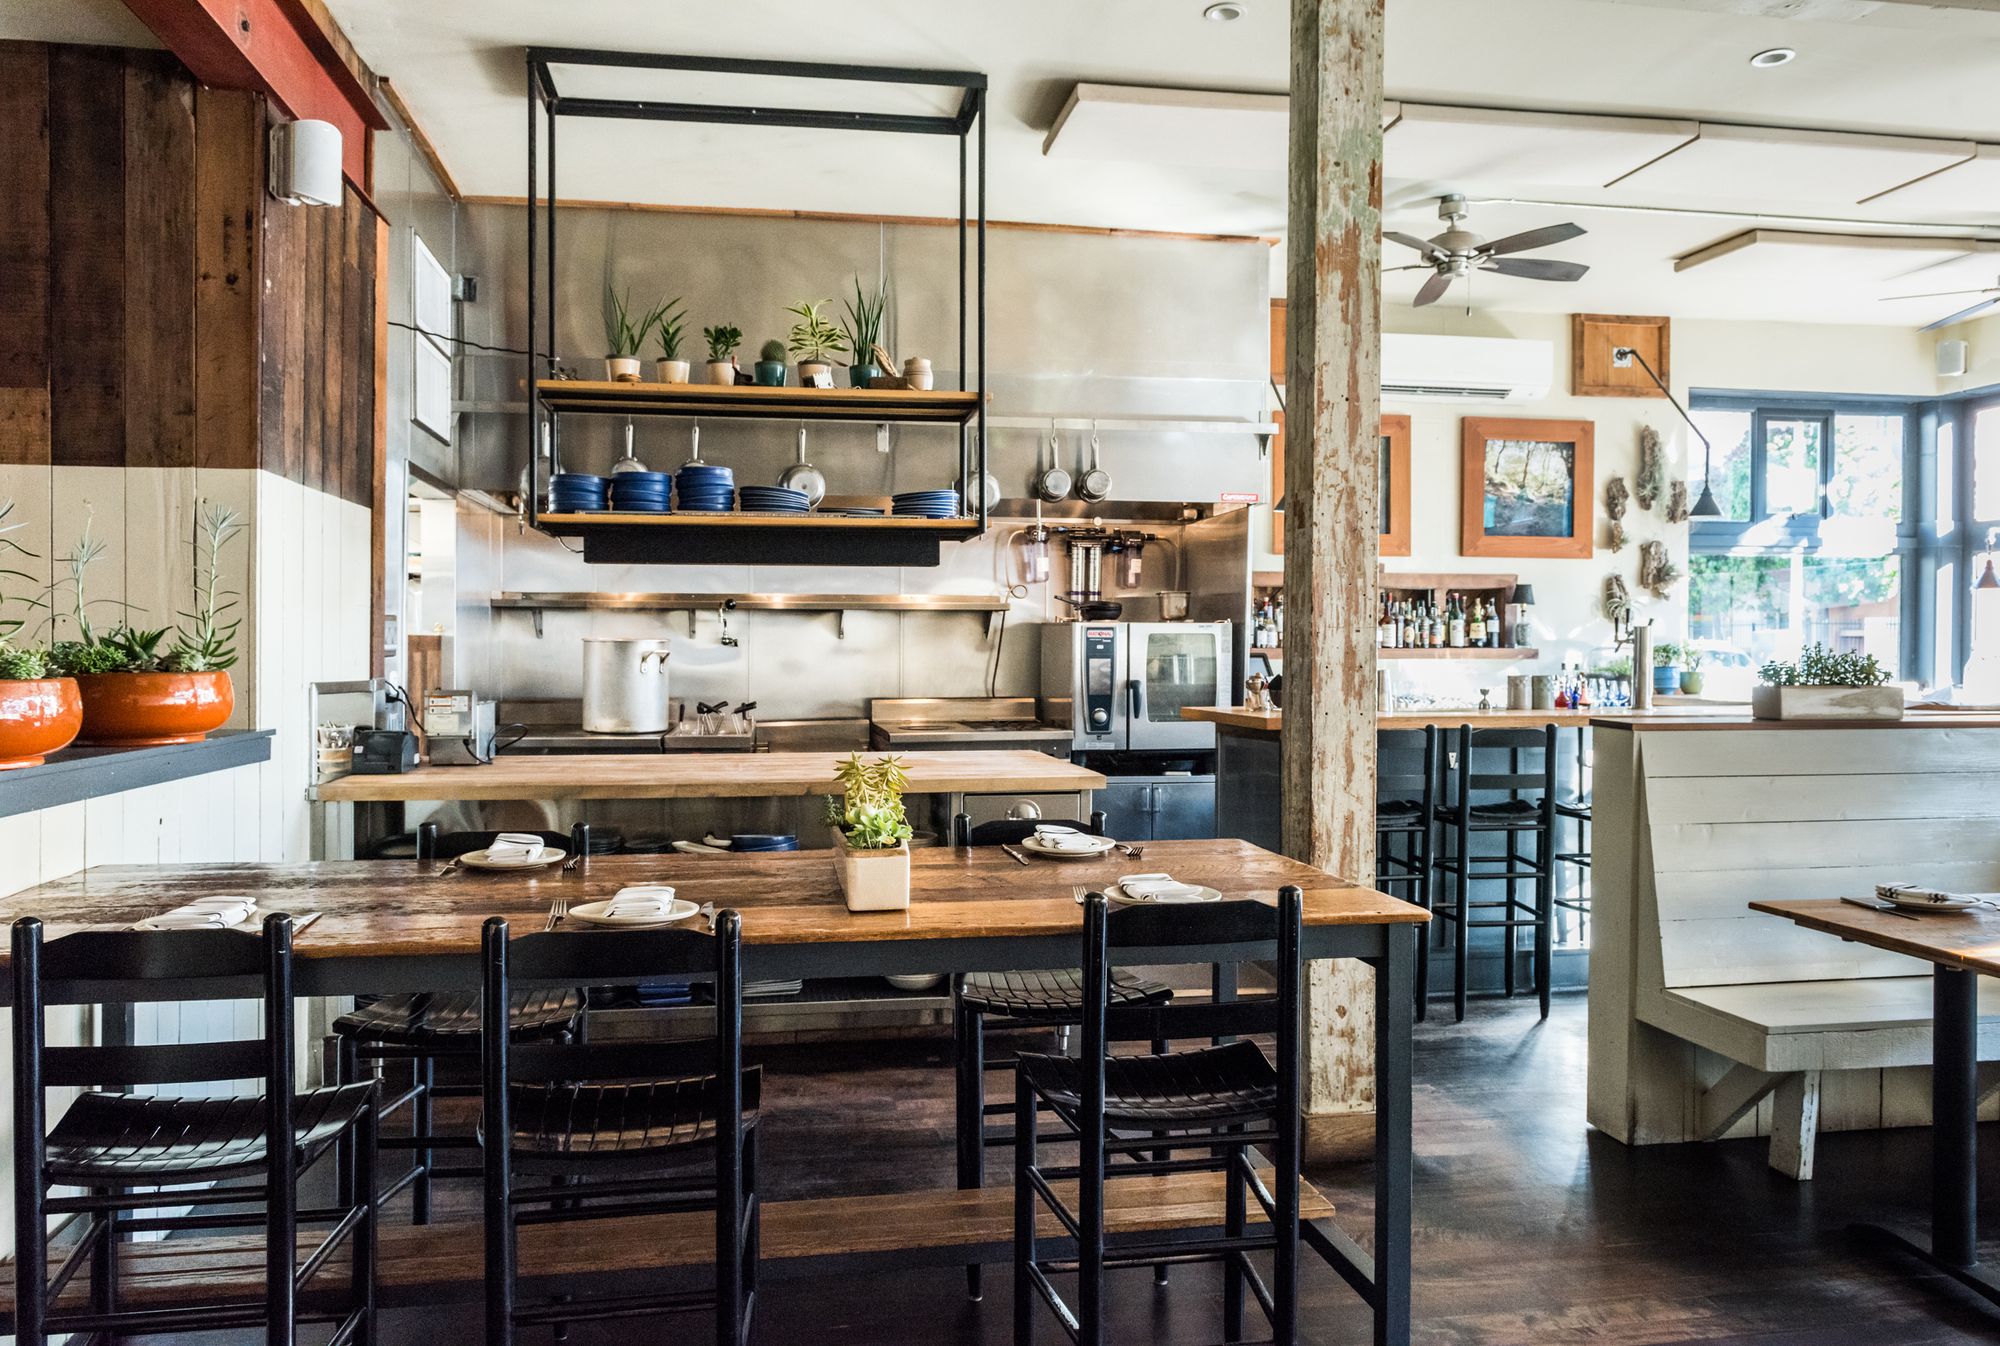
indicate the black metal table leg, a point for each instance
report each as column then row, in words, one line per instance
column 1392, row 1138
column 1954, row 1242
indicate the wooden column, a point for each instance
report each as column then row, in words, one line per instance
column 1332, row 493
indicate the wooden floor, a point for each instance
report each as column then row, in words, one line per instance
column 1531, row 1230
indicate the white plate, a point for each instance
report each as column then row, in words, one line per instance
column 1118, row 894
column 551, row 855
column 1097, row 850
column 1922, row 901
column 596, row 913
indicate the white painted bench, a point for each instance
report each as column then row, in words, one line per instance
column 1726, row 1008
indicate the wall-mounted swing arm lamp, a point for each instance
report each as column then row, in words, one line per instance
column 1705, row 507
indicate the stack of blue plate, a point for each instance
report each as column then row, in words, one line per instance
column 926, row 504
column 705, row 488
column 763, row 841
column 642, row 492
column 772, row 500
column 575, row 492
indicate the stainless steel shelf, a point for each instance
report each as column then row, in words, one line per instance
column 538, row 603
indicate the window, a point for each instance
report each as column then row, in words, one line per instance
column 1986, row 463
column 1728, row 435
column 1744, row 610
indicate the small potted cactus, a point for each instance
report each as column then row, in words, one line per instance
column 722, row 344
column 871, row 834
column 771, row 365
column 669, row 324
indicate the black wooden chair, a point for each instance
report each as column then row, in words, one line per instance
column 608, row 1129
column 132, row 1152
column 1009, row 1001
column 1127, row 1115
column 1406, row 828
column 1527, row 811
column 426, row 1027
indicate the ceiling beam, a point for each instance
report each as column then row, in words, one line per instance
column 276, row 48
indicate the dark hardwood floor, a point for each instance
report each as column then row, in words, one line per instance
column 1531, row 1229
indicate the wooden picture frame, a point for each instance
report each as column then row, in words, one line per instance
column 1539, row 522
column 1395, row 539
column 1592, row 338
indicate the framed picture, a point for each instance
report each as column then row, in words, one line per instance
column 1526, row 488
column 1395, row 468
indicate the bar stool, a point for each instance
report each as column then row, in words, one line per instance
column 1513, row 818
column 1217, row 1102
column 211, row 1153
column 1044, row 999
column 1406, row 812
column 597, row 1131
column 1577, row 810
column 425, row 1027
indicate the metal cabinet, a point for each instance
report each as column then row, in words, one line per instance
column 1158, row 808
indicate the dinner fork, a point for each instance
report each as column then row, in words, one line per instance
column 558, row 909
column 1136, row 852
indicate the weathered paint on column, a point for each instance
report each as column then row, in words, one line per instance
column 1332, row 493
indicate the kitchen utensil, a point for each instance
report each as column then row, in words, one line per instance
column 1019, row 858
column 570, row 865
column 625, row 686
column 694, row 445
column 629, row 463
column 803, row 476
column 1052, row 480
column 708, row 913
column 1885, row 908
column 1093, row 611
column 557, row 910
column 1095, row 483
column 1136, row 852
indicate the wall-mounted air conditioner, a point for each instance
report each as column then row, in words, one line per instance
column 1465, row 369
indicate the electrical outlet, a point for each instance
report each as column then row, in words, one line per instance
column 1621, row 358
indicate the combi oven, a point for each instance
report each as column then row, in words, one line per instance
column 1120, row 686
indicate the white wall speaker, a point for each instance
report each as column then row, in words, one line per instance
column 1951, row 357
column 305, row 163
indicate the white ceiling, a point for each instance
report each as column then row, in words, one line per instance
column 1663, row 65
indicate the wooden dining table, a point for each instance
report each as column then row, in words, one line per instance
column 390, row 925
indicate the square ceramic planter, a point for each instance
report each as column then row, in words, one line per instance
column 1826, row 703
column 872, row 880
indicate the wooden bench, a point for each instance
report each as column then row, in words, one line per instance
column 1738, row 1023
column 441, row 1263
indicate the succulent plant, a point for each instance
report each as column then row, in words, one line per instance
column 669, row 324
column 1819, row 666
column 723, row 341
column 869, row 810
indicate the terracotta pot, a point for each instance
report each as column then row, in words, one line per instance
column 37, row 716
column 132, row 710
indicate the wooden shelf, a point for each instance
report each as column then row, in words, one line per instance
column 717, row 401
column 1267, row 579
column 1504, row 652
column 1463, row 582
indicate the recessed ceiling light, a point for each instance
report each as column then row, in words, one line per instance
column 1764, row 60
column 1226, row 11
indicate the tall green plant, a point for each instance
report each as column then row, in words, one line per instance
column 669, row 324
column 813, row 338
column 15, row 663
column 864, row 320
column 205, row 640
column 869, row 810
column 624, row 334
column 91, row 651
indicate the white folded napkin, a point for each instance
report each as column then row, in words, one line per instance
column 207, row 913
column 1055, row 830
column 1157, row 888
column 1889, row 892
column 648, row 899
column 515, row 846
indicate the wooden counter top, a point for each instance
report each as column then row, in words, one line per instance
column 697, row 775
column 1710, row 718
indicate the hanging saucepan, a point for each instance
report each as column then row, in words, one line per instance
column 803, row 476
column 1052, row 480
column 1095, row 483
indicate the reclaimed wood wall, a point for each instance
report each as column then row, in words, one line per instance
column 161, row 309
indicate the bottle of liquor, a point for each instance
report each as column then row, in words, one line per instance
column 1438, row 630
column 1475, row 626
column 1456, row 622
column 1384, row 628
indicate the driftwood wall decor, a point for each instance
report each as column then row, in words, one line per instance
column 1657, row 572
column 1652, row 478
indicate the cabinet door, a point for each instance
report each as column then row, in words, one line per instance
column 1184, row 809
column 1127, row 810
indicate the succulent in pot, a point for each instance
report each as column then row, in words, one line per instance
column 40, row 711
column 624, row 334
column 140, row 688
column 669, row 325
column 722, row 343
column 871, row 834
column 1692, row 680
column 814, row 342
column 1666, row 668
column 864, row 332
column 771, row 365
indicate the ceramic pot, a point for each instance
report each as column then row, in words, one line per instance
column 812, row 369
column 1666, row 679
column 872, row 880
column 770, row 373
column 722, row 372
column 859, row 375
column 37, row 717
column 672, row 371
column 917, row 373
column 1691, row 682
column 131, row 710
column 622, row 368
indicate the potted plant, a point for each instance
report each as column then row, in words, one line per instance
column 722, row 344
column 1666, row 668
column 814, row 341
column 1691, row 675
column 669, row 323
column 39, row 712
column 770, row 369
column 137, row 693
column 864, row 333
column 1825, row 685
column 871, row 834
column 623, row 335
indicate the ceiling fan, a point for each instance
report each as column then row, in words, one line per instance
column 1991, row 290
column 1459, row 252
